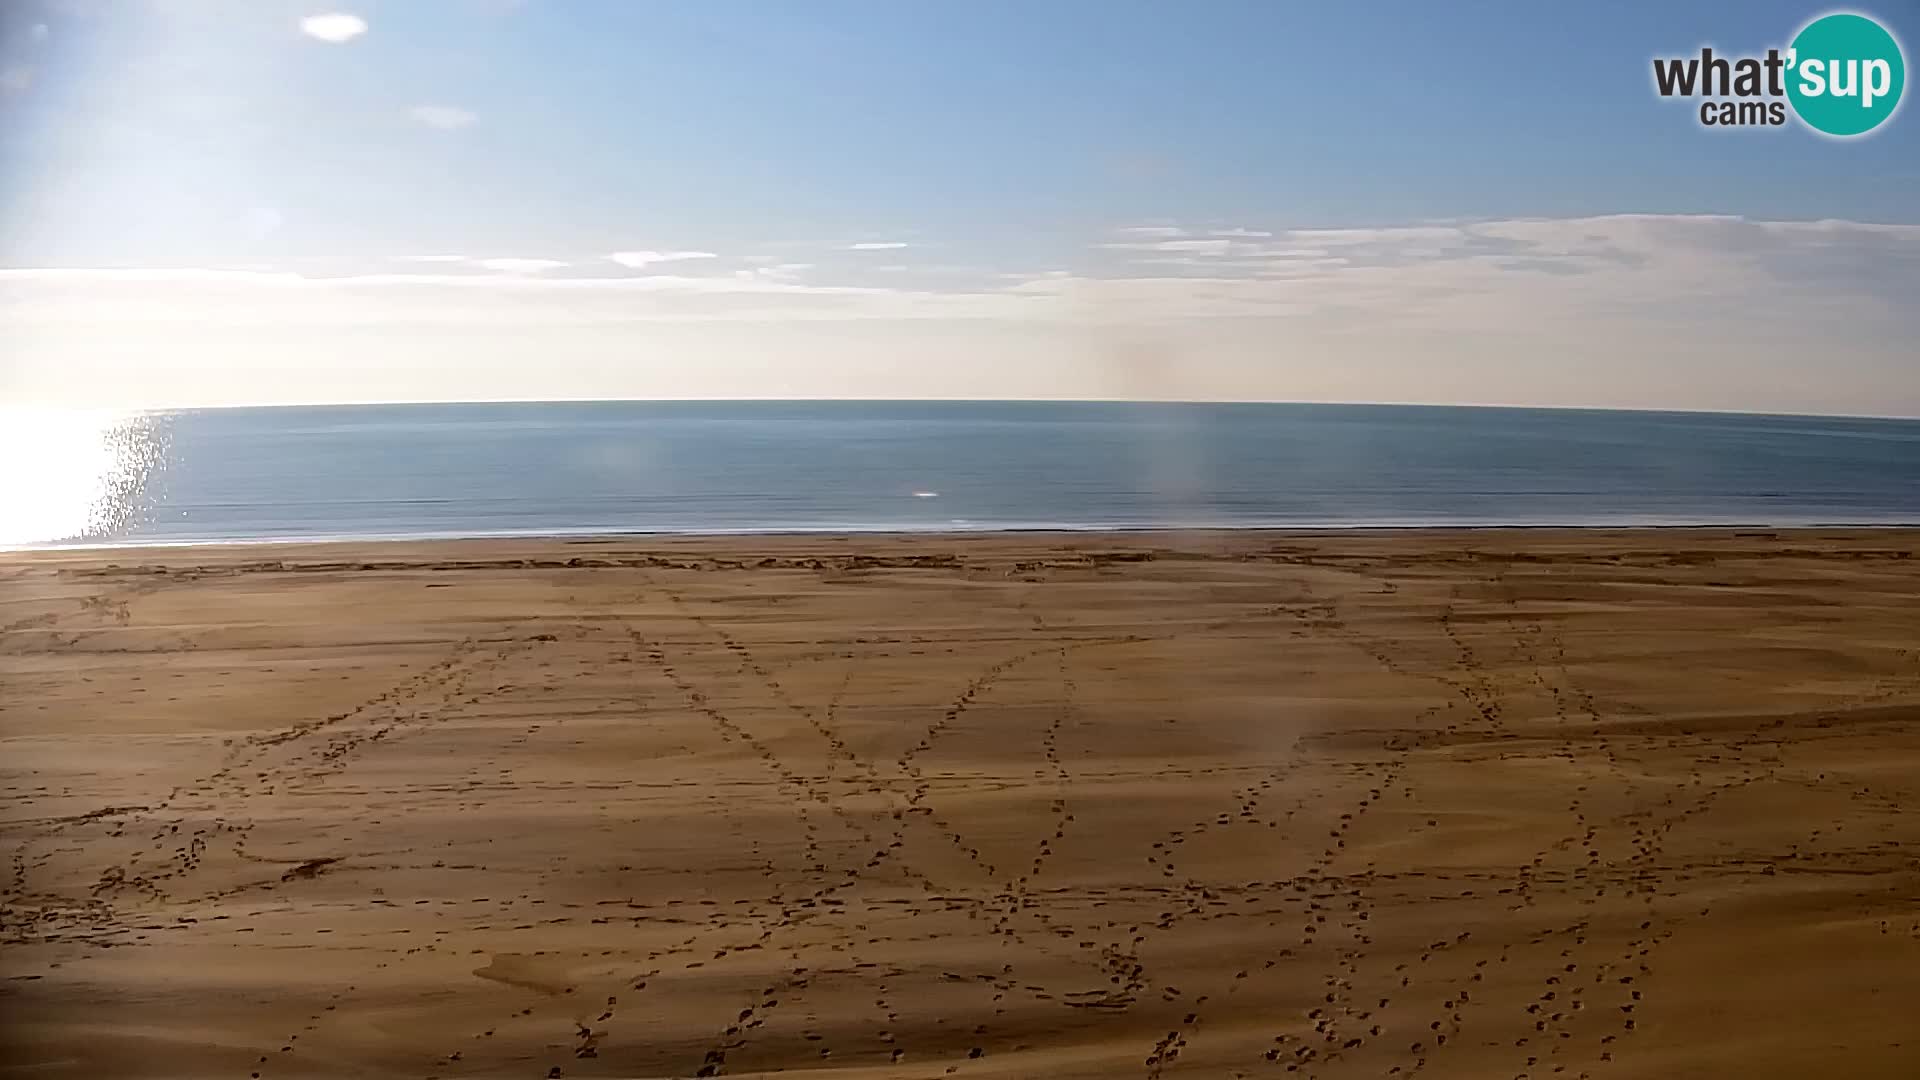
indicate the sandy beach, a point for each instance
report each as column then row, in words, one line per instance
column 1444, row 804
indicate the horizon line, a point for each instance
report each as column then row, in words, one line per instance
column 1497, row 406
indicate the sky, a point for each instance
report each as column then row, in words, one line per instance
column 218, row 202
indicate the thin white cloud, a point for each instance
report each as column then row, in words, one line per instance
column 1587, row 259
column 634, row 260
column 1250, row 234
column 1192, row 247
column 1152, row 232
column 137, row 275
column 1643, row 310
column 444, row 117
column 44, row 300
column 334, row 28
column 501, row 264
column 1838, row 226
column 518, row 265
column 1396, row 233
column 888, row 245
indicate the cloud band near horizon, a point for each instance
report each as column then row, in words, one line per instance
column 1456, row 311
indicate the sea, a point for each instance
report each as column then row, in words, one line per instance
column 574, row 468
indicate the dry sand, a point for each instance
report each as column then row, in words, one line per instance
column 1460, row 804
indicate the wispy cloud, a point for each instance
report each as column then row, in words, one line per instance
column 519, row 265
column 1639, row 264
column 1392, row 233
column 1666, row 310
column 499, row 264
column 1196, row 247
column 1152, row 231
column 871, row 245
column 1640, row 310
column 444, row 117
column 334, row 28
column 634, row 260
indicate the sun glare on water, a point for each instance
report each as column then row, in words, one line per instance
column 72, row 475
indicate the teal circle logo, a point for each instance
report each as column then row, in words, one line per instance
column 1845, row 74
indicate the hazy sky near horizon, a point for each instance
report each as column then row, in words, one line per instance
column 207, row 202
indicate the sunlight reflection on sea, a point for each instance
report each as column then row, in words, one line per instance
column 74, row 474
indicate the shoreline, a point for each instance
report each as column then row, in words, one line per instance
column 587, row 537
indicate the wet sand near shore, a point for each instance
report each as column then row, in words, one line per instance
column 1504, row 803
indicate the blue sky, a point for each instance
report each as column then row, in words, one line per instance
column 1008, row 145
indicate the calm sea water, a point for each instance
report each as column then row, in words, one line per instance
column 472, row 470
